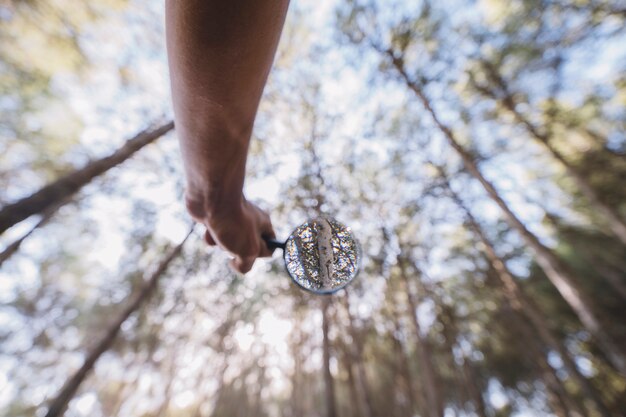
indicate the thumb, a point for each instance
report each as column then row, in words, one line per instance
column 242, row 265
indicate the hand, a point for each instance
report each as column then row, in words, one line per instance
column 238, row 230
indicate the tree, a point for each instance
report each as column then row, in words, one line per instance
column 450, row 311
column 432, row 386
column 60, row 190
column 558, row 273
column 12, row 248
column 354, row 355
column 520, row 302
column 329, row 382
column 497, row 89
column 59, row 403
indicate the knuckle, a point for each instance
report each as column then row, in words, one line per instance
column 195, row 208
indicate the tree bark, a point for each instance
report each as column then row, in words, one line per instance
column 325, row 252
column 354, row 396
column 555, row 399
column 297, row 340
column 557, row 272
column 613, row 278
column 474, row 390
column 616, row 224
column 431, row 381
column 560, row 401
column 58, row 405
column 12, row 248
column 63, row 188
column 365, row 398
column 261, row 381
column 124, row 392
column 404, row 367
column 445, row 317
column 167, row 397
column 521, row 303
column 329, row 383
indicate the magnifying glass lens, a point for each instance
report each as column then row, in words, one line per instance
column 322, row 255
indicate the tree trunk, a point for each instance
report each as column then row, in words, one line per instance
column 58, row 405
column 124, row 392
column 560, row 276
column 473, row 388
column 296, row 387
column 431, row 381
column 404, row 367
column 297, row 380
column 203, row 397
column 469, row 387
column 616, row 224
column 63, row 188
column 555, row 401
column 12, row 248
column 258, row 406
column 521, row 303
column 208, row 372
column 449, row 332
column 354, row 396
column 560, row 401
column 365, row 402
column 329, row 383
column 325, row 250
column 613, row 278
column 167, row 396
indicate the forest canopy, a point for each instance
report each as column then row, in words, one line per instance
column 476, row 149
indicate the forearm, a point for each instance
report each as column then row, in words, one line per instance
column 220, row 54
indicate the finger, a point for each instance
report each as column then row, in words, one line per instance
column 209, row 239
column 242, row 265
column 267, row 232
column 267, row 228
column 265, row 250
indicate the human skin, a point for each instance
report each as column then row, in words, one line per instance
column 220, row 54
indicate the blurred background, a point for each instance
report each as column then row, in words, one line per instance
column 477, row 149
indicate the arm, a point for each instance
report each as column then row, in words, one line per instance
column 220, row 54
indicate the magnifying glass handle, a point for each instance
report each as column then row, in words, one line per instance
column 274, row 244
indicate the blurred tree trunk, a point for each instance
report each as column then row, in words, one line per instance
column 203, row 397
column 169, row 383
column 58, row 404
column 474, row 388
column 329, row 383
column 524, row 305
column 558, row 273
column 297, row 380
column 554, row 396
column 614, row 278
column 365, row 397
column 349, row 366
column 125, row 389
column 63, row 188
column 223, row 330
column 431, row 383
column 12, row 248
column 221, row 385
column 404, row 367
column 611, row 271
column 416, row 400
column 616, row 224
column 261, row 380
column 561, row 403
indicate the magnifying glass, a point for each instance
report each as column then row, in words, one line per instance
column 321, row 255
